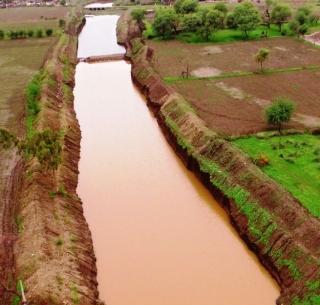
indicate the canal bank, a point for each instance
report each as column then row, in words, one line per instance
column 284, row 236
column 159, row 236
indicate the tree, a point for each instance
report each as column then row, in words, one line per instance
column 279, row 112
column 280, row 14
column 138, row 15
column 221, row 7
column 247, row 17
column 30, row 33
column 230, row 21
column 211, row 20
column 62, row 23
column 191, row 22
column 165, row 22
column 39, row 33
column 186, row 6
column 261, row 57
column 49, row 32
column 1, row 34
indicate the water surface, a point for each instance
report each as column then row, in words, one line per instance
column 159, row 236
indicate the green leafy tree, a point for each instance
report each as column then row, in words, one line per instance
column 230, row 21
column 280, row 14
column 1, row 34
column 39, row 33
column 261, row 57
column 191, row 22
column 30, row 33
column 247, row 17
column 279, row 112
column 49, row 32
column 221, row 7
column 211, row 21
column 62, row 23
column 165, row 22
column 186, row 6
column 305, row 10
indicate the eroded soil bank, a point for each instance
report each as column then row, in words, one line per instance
column 45, row 239
column 284, row 236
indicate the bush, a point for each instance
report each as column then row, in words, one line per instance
column 165, row 23
column 49, row 32
column 186, row 6
column 39, row 33
column 45, row 146
column 279, row 112
column 1, row 34
column 230, row 21
column 30, row 33
column 138, row 14
column 191, row 22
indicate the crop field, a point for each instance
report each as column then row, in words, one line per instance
column 294, row 162
column 227, row 89
column 19, row 61
column 25, row 18
column 172, row 56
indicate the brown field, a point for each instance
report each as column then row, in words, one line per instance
column 172, row 57
column 234, row 105
column 19, row 61
column 31, row 17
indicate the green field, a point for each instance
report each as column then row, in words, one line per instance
column 294, row 162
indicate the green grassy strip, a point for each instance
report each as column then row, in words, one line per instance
column 33, row 91
column 174, row 79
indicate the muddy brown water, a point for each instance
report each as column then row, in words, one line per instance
column 159, row 236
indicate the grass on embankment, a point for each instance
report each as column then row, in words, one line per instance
column 294, row 162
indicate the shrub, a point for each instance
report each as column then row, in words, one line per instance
column 191, row 22
column 230, row 21
column 138, row 14
column 279, row 112
column 30, row 33
column 49, row 32
column 1, row 34
column 186, row 6
column 262, row 56
column 39, row 33
column 165, row 22
column 45, row 146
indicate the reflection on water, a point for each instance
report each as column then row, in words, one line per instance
column 159, row 236
column 98, row 37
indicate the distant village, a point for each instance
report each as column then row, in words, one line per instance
column 19, row 3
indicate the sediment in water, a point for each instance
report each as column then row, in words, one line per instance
column 274, row 225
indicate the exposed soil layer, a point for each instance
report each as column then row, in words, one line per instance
column 284, row 236
column 51, row 244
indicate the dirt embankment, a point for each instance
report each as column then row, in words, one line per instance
column 51, row 251
column 284, row 236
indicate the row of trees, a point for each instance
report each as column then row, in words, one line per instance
column 26, row 34
column 189, row 16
